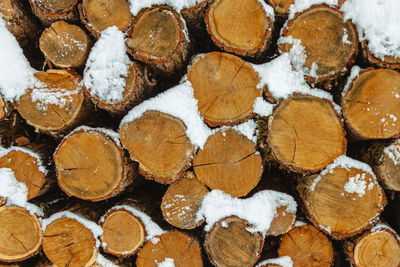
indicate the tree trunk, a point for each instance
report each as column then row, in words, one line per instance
column 386, row 62
column 20, row 235
column 307, row 247
column 19, row 22
column 377, row 247
column 159, row 38
column 91, row 165
column 98, row 15
column 388, row 171
column 370, row 105
column 182, row 200
column 65, row 45
column 229, row 162
column 225, row 86
column 342, row 201
column 194, row 16
column 171, row 247
column 330, row 45
column 55, row 106
column 305, row 133
column 242, row 27
column 158, row 142
column 228, row 243
column 50, row 11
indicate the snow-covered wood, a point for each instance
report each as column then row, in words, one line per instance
column 50, row 11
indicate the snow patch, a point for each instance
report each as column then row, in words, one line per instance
column 284, row 261
column 167, row 262
column 45, row 96
column 301, row 5
column 41, row 168
column 177, row 5
column 247, row 128
column 355, row 71
column 325, row 228
column 262, row 107
column 356, row 184
column 393, row 152
column 110, row 133
column 103, row 261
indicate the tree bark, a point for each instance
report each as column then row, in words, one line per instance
column 50, row 11
column 5, row 109
column 281, row 7
column 282, row 222
column 387, row 62
column 388, row 171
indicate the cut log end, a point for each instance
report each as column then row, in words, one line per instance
column 98, row 15
column 330, row 45
column 39, row 108
column 90, row 165
column 225, row 87
column 371, row 105
column 229, row 162
column 305, row 133
column 49, row 11
column 386, row 62
column 229, row 243
column 281, row 7
column 342, row 202
column 307, row 247
column 65, row 45
column 181, row 202
column 159, row 143
column 239, row 26
column 172, row 246
column 388, row 171
column 282, row 222
column 20, row 235
column 67, row 242
column 123, row 233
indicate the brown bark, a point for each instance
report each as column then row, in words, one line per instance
column 21, row 234
column 194, row 16
column 90, row 164
column 242, row 27
column 229, row 162
column 281, row 7
column 5, row 109
column 305, row 133
column 388, row 170
column 65, row 45
column 50, row 11
column 175, row 245
column 388, row 61
column 158, row 37
column 158, row 142
column 337, row 211
column 228, row 243
column 329, row 43
column 282, row 222
column 370, row 105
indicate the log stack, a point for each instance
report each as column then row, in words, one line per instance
column 197, row 133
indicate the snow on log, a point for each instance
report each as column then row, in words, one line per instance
column 284, row 261
column 344, row 199
column 49, row 11
column 90, row 164
column 388, row 170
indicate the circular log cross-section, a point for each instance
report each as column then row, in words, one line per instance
column 228, row 243
column 49, row 11
column 380, row 247
column 305, row 133
column 123, row 233
column 371, row 106
column 98, row 15
column 225, row 87
column 242, row 27
column 229, row 162
column 282, row 222
column 342, row 202
column 281, row 7
column 173, row 245
column 38, row 108
column 26, row 170
column 158, row 37
column 20, row 234
column 307, row 247
column 159, row 143
column 329, row 43
column 90, row 165
column 387, row 61
column 181, row 202
column 67, row 242
column 388, row 171
column 65, row 45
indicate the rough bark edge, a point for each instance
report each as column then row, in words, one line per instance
column 376, row 61
column 293, row 167
column 327, row 80
column 6, row 107
column 194, row 15
column 353, row 133
column 254, row 53
column 48, row 18
column 128, row 169
column 304, row 191
column 278, row 11
column 171, row 63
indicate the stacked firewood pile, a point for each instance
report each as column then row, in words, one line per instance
column 199, row 132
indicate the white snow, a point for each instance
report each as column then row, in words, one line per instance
column 152, row 229
column 284, row 261
column 377, row 22
column 258, row 210
column 355, row 71
column 107, row 132
column 325, row 228
column 345, row 38
column 178, row 5
column 45, row 96
column 393, row 152
column 299, row 223
column 247, row 128
column 103, row 261
column 92, row 226
column 262, row 107
column 16, row 193
column 107, row 67
column 16, row 75
column 167, row 262
column 301, row 5
column 180, row 103
column 41, row 167
column 356, row 184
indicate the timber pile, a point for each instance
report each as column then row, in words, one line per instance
column 194, row 133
